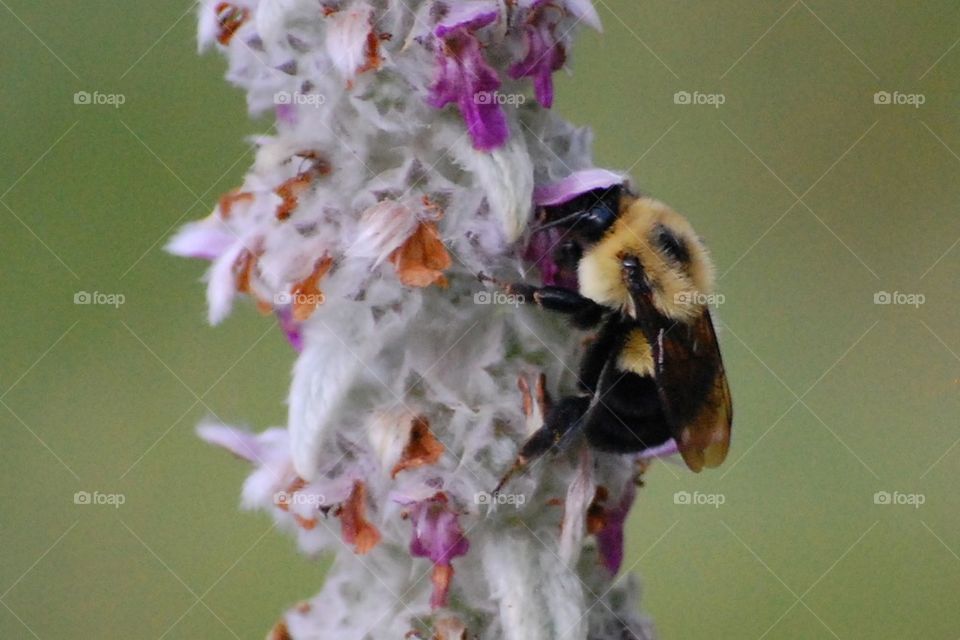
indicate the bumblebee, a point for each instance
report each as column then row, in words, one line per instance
column 653, row 371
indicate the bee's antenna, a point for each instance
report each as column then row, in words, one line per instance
column 556, row 223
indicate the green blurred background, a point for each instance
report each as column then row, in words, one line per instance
column 812, row 197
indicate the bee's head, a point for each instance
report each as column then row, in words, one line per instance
column 585, row 218
column 649, row 257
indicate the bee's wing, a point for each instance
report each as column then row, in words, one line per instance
column 693, row 391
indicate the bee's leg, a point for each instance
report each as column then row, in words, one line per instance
column 561, row 419
column 583, row 312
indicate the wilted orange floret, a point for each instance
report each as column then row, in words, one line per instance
column 421, row 260
column 306, row 294
column 372, row 53
column 227, row 201
column 280, row 632
column 230, row 18
column 354, row 526
column 422, row 448
column 281, row 500
column 290, row 190
column 305, row 523
column 243, row 268
column 442, row 577
column 596, row 512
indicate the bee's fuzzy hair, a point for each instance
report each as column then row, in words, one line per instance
column 677, row 290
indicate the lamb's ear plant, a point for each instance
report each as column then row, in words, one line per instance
column 412, row 144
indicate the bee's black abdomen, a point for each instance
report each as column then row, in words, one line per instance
column 628, row 417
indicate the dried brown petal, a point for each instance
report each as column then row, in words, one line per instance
column 291, row 190
column 306, row 294
column 354, row 526
column 597, row 512
column 371, row 53
column 243, row 268
column 442, row 577
column 423, row 448
column 280, row 632
column 421, row 260
column 229, row 18
column 227, row 201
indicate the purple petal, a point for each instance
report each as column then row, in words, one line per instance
column 287, row 114
column 610, row 538
column 539, row 253
column 668, row 448
column 465, row 77
column 205, row 239
column 291, row 328
column 240, row 443
column 575, row 184
column 545, row 54
column 436, row 531
column 468, row 16
column 584, row 11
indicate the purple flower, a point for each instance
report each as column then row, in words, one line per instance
column 610, row 536
column 575, row 184
column 539, row 253
column 466, row 78
column 437, row 535
column 290, row 327
column 206, row 239
column 468, row 16
column 545, row 53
